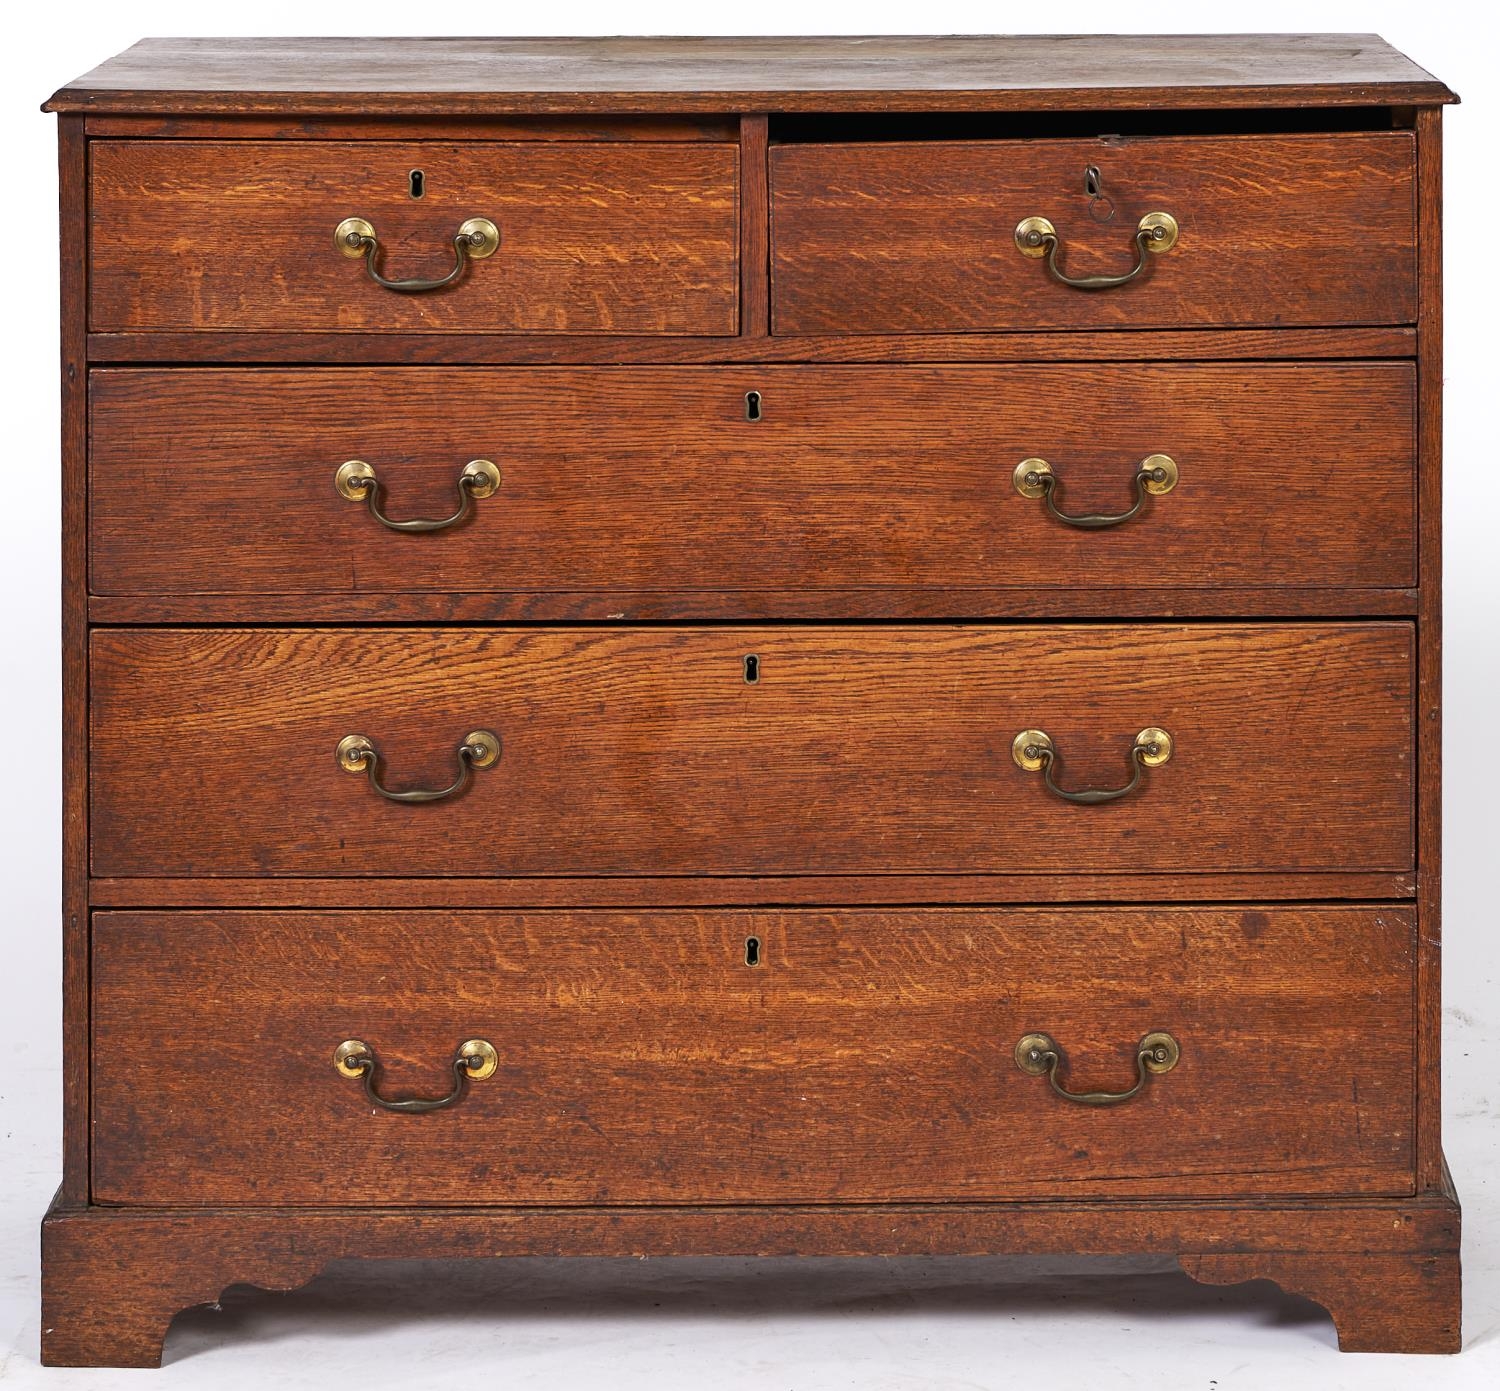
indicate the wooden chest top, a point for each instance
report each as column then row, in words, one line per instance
column 491, row 76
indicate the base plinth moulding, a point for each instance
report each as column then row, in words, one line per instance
column 1386, row 1269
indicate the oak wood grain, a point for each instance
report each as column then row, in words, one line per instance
column 1275, row 230
column 72, row 175
column 562, row 75
column 650, row 809
column 877, row 750
column 238, row 235
column 873, row 604
column 750, row 891
column 1112, row 345
column 653, row 479
column 755, row 235
column 1379, row 1303
column 867, row 1057
column 413, row 127
column 113, row 1277
column 1430, row 652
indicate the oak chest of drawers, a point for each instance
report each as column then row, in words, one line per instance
column 772, row 647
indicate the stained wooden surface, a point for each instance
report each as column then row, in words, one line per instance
column 611, row 238
column 415, row 127
column 72, row 174
column 755, row 229
column 880, row 750
column 1275, row 230
column 409, row 349
column 1379, row 1303
column 868, row 1057
column 750, row 891
column 488, row 75
column 876, row 768
column 913, row 603
column 1430, row 652
column 615, row 479
column 113, row 1277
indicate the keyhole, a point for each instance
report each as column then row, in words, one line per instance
column 418, row 181
column 752, row 669
column 752, row 405
column 1101, row 207
column 752, row 951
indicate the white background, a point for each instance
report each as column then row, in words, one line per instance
column 799, row 1326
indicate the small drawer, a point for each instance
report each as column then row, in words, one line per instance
column 1312, row 230
column 752, row 750
column 611, row 480
column 641, row 1058
column 627, row 237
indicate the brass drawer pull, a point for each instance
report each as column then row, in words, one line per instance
column 475, row 240
column 474, row 1061
column 356, row 754
column 1156, row 475
column 1033, row 750
column 1154, row 234
column 356, row 481
column 1155, row 1054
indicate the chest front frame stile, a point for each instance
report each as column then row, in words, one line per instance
column 1386, row 1267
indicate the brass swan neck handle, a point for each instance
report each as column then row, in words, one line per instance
column 476, row 239
column 357, row 754
column 356, row 481
column 1155, row 235
column 1155, row 476
column 1032, row 751
column 475, row 1060
column 1156, row 1053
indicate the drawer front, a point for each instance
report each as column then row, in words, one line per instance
column 869, row 1056
column 919, row 238
column 628, row 237
column 856, row 750
column 613, row 479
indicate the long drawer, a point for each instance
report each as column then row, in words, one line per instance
column 621, row 237
column 925, row 237
column 641, row 1058
column 611, row 479
column 742, row 750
